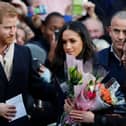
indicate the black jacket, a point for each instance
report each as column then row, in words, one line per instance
column 24, row 81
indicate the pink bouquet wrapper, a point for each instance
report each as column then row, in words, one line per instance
column 83, row 103
column 86, row 104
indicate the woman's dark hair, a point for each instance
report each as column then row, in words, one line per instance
column 87, row 51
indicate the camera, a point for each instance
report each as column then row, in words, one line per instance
column 41, row 10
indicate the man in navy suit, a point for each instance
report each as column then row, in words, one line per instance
column 17, row 76
column 110, row 58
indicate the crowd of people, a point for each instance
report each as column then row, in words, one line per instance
column 34, row 44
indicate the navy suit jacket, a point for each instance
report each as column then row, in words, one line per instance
column 23, row 81
column 111, row 64
column 107, row 59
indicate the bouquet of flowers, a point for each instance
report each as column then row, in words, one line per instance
column 87, row 91
column 94, row 95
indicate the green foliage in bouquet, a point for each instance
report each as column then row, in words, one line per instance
column 75, row 78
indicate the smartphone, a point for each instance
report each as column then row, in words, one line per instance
column 78, row 7
column 41, row 10
column 56, row 32
column 36, row 64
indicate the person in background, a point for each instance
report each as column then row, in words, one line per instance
column 22, row 16
column 46, row 40
column 17, row 76
column 110, row 58
column 96, row 30
column 52, row 25
column 20, row 36
column 95, row 27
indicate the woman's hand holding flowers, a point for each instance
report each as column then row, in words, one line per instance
column 82, row 116
column 69, row 105
column 78, row 115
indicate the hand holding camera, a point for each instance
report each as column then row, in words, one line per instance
column 45, row 74
column 43, row 71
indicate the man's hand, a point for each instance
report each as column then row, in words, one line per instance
column 7, row 111
column 90, row 8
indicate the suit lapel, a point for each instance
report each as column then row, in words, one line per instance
column 2, row 74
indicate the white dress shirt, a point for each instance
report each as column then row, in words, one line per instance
column 7, row 60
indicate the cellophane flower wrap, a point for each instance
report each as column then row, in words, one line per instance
column 87, row 91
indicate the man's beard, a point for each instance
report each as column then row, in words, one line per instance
column 9, row 40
